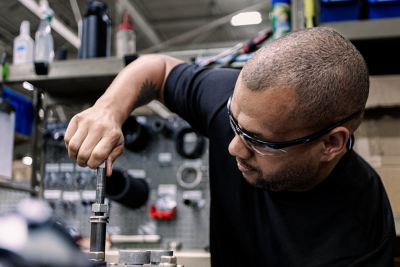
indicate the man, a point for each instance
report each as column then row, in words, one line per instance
column 286, row 187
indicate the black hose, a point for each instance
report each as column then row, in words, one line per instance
column 126, row 190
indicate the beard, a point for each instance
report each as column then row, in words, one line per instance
column 296, row 176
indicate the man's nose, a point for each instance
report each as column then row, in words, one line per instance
column 238, row 148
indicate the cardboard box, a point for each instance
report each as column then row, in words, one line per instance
column 378, row 141
column 378, row 137
column 391, row 179
column 384, row 91
column 21, row 172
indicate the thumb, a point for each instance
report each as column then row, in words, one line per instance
column 109, row 166
column 115, row 153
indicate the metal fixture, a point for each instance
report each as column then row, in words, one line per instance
column 99, row 221
column 155, row 256
column 168, row 261
column 134, row 257
column 174, row 245
column 194, row 199
column 189, row 175
column 75, row 10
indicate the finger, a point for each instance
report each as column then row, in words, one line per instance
column 76, row 141
column 87, row 147
column 115, row 153
column 103, row 148
column 71, row 129
column 109, row 167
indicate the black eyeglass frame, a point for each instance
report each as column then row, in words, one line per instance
column 280, row 145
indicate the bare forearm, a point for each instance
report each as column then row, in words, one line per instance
column 95, row 135
column 136, row 85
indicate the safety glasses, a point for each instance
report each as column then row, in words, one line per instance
column 275, row 149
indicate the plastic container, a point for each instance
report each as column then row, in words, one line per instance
column 44, row 44
column 95, row 31
column 23, row 45
column 332, row 10
column 125, row 37
column 280, row 17
column 379, row 9
column 24, row 112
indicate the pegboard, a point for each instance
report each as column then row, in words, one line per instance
column 158, row 163
column 9, row 199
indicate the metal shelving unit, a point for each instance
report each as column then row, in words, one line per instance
column 367, row 29
column 70, row 81
column 89, row 78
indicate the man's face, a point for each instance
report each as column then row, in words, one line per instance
column 265, row 115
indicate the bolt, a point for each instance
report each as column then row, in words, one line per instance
column 99, row 207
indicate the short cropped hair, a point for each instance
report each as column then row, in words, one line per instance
column 328, row 74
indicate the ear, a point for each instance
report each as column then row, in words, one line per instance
column 335, row 143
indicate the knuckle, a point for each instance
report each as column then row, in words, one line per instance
column 93, row 164
column 83, row 156
column 78, row 117
column 67, row 139
column 72, row 147
column 81, row 163
column 120, row 150
column 98, row 156
column 114, row 135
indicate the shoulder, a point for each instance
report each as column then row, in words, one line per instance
column 365, row 194
column 186, row 71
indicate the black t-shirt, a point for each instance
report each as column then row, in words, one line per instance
column 344, row 221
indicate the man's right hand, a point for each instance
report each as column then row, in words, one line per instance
column 93, row 136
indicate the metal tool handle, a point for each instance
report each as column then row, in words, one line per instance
column 101, row 183
column 99, row 221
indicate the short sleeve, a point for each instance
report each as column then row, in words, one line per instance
column 198, row 94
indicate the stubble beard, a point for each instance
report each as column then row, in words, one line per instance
column 295, row 176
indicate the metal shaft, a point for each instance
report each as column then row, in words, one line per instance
column 98, row 233
column 101, row 183
column 99, row 221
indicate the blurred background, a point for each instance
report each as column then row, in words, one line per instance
column 59, row 56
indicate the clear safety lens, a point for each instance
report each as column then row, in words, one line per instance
column 259, row 148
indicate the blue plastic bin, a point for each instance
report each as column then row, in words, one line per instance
column 379, row 9
column 24, row 111
column 341, row 10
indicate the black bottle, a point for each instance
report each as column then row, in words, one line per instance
column 96, row 31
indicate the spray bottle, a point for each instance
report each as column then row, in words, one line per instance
column 126, row 38
column 44, row 44
column 280, row 17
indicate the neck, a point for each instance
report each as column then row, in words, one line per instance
column 325, row 169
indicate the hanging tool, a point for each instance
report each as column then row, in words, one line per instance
column 239, row 49
column 99, row 221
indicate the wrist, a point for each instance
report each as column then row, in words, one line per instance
column 112, row 109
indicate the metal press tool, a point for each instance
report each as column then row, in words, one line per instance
column 99, row 220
